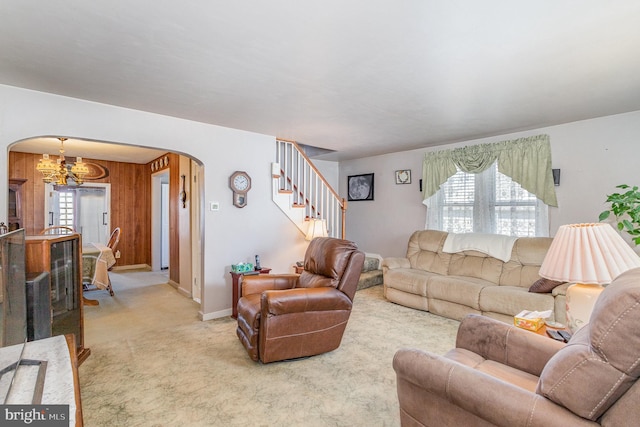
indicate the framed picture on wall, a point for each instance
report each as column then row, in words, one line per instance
column 360, row 187
column 403, row 176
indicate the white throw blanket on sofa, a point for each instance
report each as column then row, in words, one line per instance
column 495, row 245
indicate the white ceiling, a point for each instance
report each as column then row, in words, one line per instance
column 88, row 149
column 362, row 77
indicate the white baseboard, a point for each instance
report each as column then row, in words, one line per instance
column 215, row 315
column 180, row 290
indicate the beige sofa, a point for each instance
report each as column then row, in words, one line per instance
column 470, row 282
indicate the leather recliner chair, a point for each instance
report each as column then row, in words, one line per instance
column 290, row 316
column 499, row 375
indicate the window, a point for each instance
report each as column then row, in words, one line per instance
column 66, row 209
column 488, row 202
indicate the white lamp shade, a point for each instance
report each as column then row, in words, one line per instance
column 591, row 255
column 588, row 253
column 317, row 228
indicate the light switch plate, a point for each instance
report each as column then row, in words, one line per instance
column 214, row 206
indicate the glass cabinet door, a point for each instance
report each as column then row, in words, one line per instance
column 65, row 301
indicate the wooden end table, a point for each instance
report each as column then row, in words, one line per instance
column 236, row 279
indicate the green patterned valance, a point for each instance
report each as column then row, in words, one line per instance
column 526, row 160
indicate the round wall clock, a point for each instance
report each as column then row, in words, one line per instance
column 240, row 184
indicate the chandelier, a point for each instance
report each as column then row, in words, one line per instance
column 59, row 171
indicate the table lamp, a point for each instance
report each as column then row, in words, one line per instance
column 317, row 228
column 590, row 255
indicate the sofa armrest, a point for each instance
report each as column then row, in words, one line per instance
column 395, row 262
column 423, row 377
column 301, row 300
column 506, row 344
column 263, row 282
column 560, row 290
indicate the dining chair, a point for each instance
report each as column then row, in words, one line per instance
column 114, row 239
column 58, row 229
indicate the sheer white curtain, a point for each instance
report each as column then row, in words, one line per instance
column 486, row 202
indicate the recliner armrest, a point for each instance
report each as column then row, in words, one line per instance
column 301, row 300
column 264, row 282
column 507, row 344
column 395, row 262
column 421, row 374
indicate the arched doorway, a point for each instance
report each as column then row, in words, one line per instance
column 130, row 183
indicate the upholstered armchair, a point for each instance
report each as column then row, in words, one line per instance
column 499, row 375
column 290, row 316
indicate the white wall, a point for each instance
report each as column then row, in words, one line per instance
column 594, row 156
column 330, row 171
column 230, row 234
column 184, row 227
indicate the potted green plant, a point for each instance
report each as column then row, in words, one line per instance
column 626, row 209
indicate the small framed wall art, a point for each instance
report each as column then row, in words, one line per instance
column 360, row 187
column 403, row 176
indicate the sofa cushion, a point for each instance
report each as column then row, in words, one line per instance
column 481, row 266
column 615, row 316
column 461, row 290
column 511, row 300
column 516, row 274
column 526, row 258
column 408, row 280
column 495, row 369
column 325, row 262
column 531, row 250
column 424, row 251
column 580, row 380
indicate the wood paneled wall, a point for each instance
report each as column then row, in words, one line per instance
column 130, row 203
column 173, row 164
column 174, row 205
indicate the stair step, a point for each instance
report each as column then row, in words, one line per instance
column 296, row 205
column 283, row 191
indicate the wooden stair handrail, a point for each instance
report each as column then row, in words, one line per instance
column 341, row 201
column 304, row 155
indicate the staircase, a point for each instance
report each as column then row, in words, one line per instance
column 302, row 193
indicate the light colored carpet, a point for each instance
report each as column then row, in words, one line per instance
column 187, row 372
column 143, row 303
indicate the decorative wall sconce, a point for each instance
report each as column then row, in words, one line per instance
column 556, row 176
column 183, row 193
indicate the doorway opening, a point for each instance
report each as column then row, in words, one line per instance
column 85, row 209
column 160, row 236
column 130, row 204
